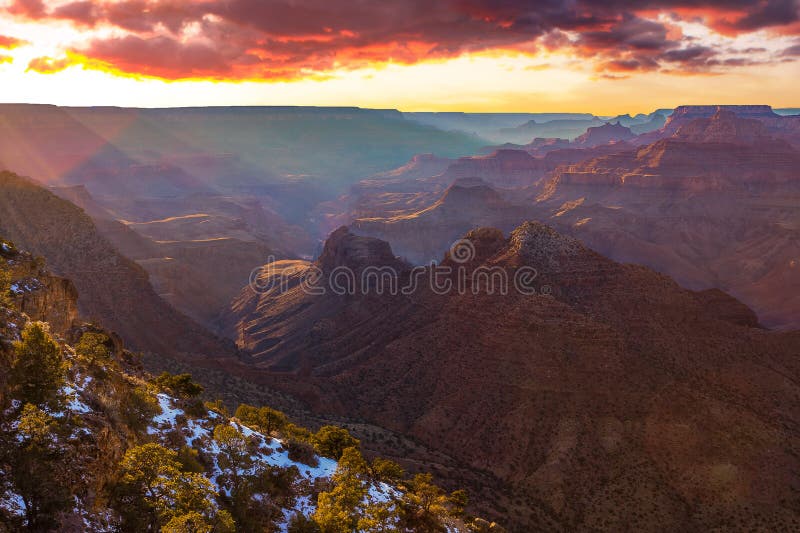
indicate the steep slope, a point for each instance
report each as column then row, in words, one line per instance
column 197, row 263
column 90, row 442
column 502, row 168
column 715, row 205
column 604, row 396
column 416, row 186
column 112, row 289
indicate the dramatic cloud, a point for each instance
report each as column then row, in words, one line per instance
column 286, row 39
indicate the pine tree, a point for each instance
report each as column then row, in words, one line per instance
column 380, row 517
column 39, row 462
column 234, row 456
column 234, row 461
column 339, row 510
column 38, row 370
column 179, row 384
column 458, row 501
column 386, row 470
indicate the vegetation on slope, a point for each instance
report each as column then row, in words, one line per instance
column 90, row 442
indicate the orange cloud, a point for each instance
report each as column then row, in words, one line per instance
column 283, row 39
column 9, row 43
column 48, row 65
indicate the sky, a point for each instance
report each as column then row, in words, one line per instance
column 602, row 56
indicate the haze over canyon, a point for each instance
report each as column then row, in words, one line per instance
column 645, row 378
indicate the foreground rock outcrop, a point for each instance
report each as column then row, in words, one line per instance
column 36, row 292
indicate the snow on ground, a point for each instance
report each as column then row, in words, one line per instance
column 168, row 416
column 382, row 493
column 12, row 502
column 25, row 285
column 74, row 401
column 273, row 451
column 199, row 433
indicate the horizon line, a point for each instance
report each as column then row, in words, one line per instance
column 359, row 108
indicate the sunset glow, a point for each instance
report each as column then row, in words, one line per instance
column 467, row 56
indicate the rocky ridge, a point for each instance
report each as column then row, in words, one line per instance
column 576, row 398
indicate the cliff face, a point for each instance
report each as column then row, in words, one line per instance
column 787, row 128
column 503, row 168
column 55, row 301
column 609, row 398
column 721, row 152
column 713, row 205
column 38, row 293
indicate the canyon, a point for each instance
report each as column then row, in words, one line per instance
column 645, row 377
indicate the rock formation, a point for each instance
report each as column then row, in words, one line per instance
column 38, row 293
column 599, row 395
column 597, row 135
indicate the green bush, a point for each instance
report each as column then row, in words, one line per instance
column 263, row 419
column 94, row 347
column 300, row 523
column 302, row 452
column 386, row 470
column 179, row 384
column 137, row 408
column 217, row 406
column 298, row 433
column 331, row 441
column 5, row 288
column 189, row 458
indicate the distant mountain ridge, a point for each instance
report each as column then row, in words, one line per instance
column 713, row 204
